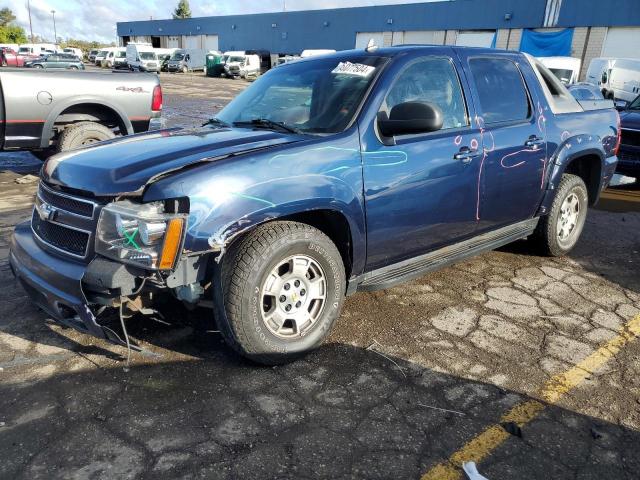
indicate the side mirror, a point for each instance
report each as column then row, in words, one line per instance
column 412, row 117
column 620, row 105
column 187, row 58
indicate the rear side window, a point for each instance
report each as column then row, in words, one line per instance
column 433, row 80
column 503, row 96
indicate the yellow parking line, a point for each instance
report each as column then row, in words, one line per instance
column 553, row 390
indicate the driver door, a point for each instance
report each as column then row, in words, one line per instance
column 421, row 190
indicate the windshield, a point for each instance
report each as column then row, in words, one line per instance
column 121, row 54
column 235, row 59
column 562, row 74
column 102, row 53
column 316, row 96
column 148, row 55
column 24, row 50
column 177, row 56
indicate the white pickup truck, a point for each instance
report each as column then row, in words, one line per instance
column 55, row 111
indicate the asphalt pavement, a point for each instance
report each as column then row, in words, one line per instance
column 527, row 365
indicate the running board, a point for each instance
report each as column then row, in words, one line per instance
column 412, row 268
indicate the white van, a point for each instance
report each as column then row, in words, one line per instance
column 622, row 81
column 239, row 64
column 73, row 51
column 142, row 57
column 115, row 58
column 36, row 48
column 597, row 67
column 187, row 60
column 566, row 69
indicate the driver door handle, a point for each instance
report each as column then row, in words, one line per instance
column 533, row 141
column 466, row 155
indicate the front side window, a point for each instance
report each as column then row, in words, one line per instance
column 431, row 80
column 501, row 90
column 313, row 96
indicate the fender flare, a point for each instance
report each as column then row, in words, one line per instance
column 47, row 128
column 565, row 154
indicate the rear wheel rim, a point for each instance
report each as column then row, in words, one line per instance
column 568, row 219
column 293, row 296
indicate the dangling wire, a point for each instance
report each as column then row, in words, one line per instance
column 126, row 338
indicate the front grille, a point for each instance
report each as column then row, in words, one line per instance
column 63, row 238
column 65, row 202
column 630, row 137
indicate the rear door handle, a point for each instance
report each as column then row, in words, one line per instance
column 465, row 155
column 533, row 141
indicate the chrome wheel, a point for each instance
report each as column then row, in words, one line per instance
column 293, row 296
column 568, row 218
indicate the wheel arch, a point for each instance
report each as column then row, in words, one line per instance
column 86, row 109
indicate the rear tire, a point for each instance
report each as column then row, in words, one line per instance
column 559, row 231
column 83, row 134
column 266, row 309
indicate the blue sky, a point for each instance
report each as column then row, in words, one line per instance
column 96, row 20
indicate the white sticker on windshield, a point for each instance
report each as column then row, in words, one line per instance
column 358, row 69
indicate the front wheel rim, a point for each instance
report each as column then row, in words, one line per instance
column 568, row 218
column 293, row 296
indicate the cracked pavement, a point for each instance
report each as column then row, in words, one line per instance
column 407, row 377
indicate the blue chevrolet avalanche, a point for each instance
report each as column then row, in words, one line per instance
column 352, row 171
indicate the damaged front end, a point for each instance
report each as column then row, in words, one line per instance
column 81, row 259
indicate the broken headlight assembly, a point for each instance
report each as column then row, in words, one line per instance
column 140, row 234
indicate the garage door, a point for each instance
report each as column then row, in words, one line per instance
column 192, row 41
column 362, row 39
column 173, row 42
column 419, row 37
column 622, row 42
column 475, row 38
column 210, row 42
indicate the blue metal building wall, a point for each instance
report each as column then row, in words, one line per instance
column 336, row 28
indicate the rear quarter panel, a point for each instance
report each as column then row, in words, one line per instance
column 574, row 135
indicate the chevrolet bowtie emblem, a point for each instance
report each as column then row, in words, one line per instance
column 46, row 211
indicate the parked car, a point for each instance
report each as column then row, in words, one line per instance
column 164, row 55
column 329, row 175
column 101, row 55
column 264, row 57
column 597, row 67
column 142, row 57
column 74, row 110
column 31, row 49
column 74, row 51
column 116, row 58
column 187, row 60
column 629, row 155
column 622, row 80
column 91, row 57
column 10, row 58
column 241, row 65
column 585, row 91
column 567, row 69
column 56, row 60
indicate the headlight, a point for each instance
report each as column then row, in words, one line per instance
column 140, row 234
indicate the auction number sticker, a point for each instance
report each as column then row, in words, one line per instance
column 357, row 69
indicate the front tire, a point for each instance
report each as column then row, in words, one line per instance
column 558, row 232
column 278, row 291
column 83, row 134
column 185, row 69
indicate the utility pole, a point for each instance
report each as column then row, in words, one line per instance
column 30, row 26
column 55, row 32
column 284, row 5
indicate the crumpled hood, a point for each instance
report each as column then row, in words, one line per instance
column 630, row 119
column 126, row 164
